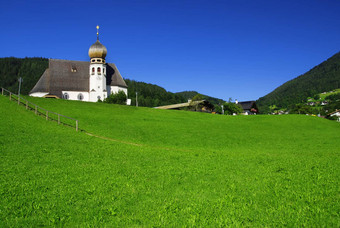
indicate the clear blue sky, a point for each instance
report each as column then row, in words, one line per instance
column 242, row 49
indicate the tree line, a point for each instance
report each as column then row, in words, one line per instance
column 29, row 69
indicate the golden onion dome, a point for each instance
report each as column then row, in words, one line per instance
column 97, row 50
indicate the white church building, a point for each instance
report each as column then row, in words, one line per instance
column 79, row 80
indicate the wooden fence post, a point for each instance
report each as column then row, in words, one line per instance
column 76, row 125
column 26, row 105
column 18, row 100
column 2, row 91
column 46, row 115
column 36, row 110
column 58, row 118
column 10, row 96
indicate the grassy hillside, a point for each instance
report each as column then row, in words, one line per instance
column 322, row 78
column 188, row 168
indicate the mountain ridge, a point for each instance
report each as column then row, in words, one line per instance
column 323, row 77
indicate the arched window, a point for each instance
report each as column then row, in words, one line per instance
column 66, row 96
column 93, row 70
column 98, row 70
column 80, row 97
column 98, row 98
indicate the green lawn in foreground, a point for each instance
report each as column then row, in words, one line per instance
column 193, row 169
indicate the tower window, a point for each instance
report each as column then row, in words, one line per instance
column 80, row 97
column 93, row 60
column 73, row 69
column 66, row 96
column 93, row 70
column 98, row 70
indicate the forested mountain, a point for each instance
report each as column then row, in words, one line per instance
column 324, row 77
column 190, row 94
column 150, row 95
column 30, row 69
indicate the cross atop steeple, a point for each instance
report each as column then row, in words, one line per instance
column 97, row 32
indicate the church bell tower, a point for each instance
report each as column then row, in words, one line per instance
column 97, row 53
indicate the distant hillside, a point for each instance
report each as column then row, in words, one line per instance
column 324, row 77
column 190, row 94
column 150, row 95
column 30, row 69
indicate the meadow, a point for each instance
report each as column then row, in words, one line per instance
column 160, row 168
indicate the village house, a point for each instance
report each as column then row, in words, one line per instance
column 249, row 107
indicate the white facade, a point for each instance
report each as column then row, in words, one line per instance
column 97, row 73
column 115, row 89
column 38, row 94
column 76, row 95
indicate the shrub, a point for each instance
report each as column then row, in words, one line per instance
column 116, row 98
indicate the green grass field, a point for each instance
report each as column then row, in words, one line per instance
column 166, row 168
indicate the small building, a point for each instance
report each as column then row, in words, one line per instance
column 249, row 107
column 335, row 113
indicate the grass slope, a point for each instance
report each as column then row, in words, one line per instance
column 192, row 168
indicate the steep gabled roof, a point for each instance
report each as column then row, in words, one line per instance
column 247, row 105
column 113, row 76
column 67, row 75
column 43, row 85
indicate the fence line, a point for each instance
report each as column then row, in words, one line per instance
column 39, row 110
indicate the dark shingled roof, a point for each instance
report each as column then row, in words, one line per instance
column 248, row 105
column 67, row 75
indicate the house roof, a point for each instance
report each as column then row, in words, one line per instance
column 336, row 111
column 247, row 105
column 181, row 105
column 67, row 75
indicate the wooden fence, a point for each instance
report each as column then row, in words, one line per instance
column 49, row 115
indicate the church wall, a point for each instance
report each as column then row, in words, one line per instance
column 76, row 95
column 95, row 96
column 116, row 89
column 38, row 94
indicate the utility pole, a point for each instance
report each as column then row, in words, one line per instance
column 20, row 80
column 136, row 99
